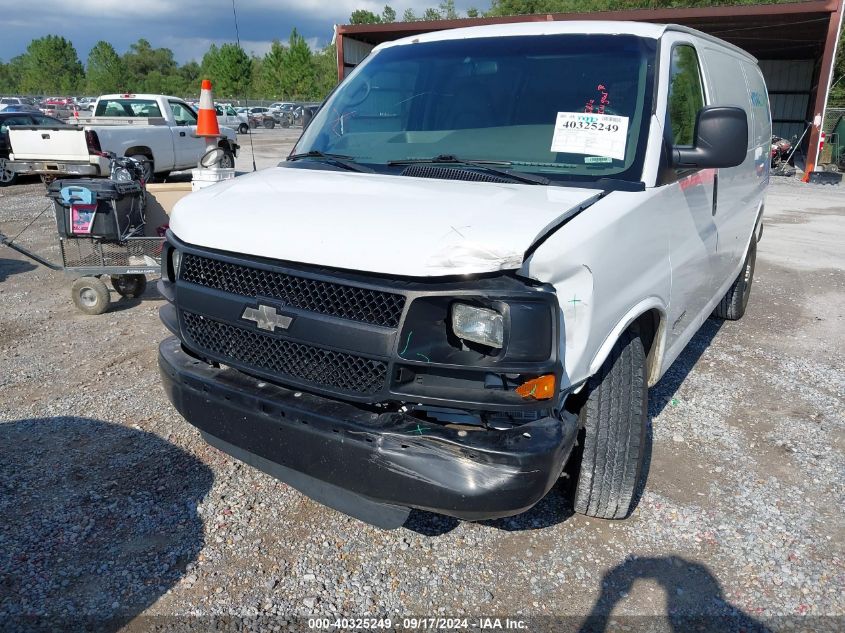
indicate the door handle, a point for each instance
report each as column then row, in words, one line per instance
column 181, row 134
column 715, row 191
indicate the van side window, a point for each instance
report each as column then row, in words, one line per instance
column 686, row 95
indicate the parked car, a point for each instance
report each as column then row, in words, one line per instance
column 56, row 110
column 14, row 101
column 20, row 108
column 86, row 103
column 226, row 115
column 8, row 119
column 157, row 130
column 468, row 272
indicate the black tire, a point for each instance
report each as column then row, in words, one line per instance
column 243, row 128
column 228, row 160
column 733, row 304
column 161, row 176
column 614, row 419
column 269, row 124
column 129, row 285
column 90, row 295
column 7, row 176
column 147, row 165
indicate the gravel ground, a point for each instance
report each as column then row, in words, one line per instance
column 114, row 509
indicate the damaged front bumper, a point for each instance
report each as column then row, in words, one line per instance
column 375, row 466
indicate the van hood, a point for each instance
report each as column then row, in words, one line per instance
column 377, row 223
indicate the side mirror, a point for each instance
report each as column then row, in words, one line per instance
column 721, row 139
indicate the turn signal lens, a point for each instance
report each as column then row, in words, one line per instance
column 540, row 388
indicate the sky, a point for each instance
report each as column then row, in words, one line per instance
column 187, row 27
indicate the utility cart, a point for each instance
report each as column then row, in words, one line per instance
column 101, row 231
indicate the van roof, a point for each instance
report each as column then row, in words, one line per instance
column 560, row 27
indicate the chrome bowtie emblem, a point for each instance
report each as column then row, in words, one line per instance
column 266, row 318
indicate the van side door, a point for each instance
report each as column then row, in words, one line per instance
column 689, row 194
column 739, row 189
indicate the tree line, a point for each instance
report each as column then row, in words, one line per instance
column 289, row 70
column 51, row 66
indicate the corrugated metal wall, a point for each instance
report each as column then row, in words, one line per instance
column 354, row 52
column 790, row 85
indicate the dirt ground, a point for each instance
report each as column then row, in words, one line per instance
column 115, row 510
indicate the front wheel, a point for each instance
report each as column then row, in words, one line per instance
column 269, row 124
column 7, row 176
column 228, row 160
column 614, row 419
column 90, row 295
column 733, row 304
column 243, row 128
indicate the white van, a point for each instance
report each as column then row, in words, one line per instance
column 485, row 247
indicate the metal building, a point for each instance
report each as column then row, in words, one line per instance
column 795, row 43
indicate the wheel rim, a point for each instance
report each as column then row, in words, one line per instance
column 88, row 297
column 6, row 174
column 226, row 162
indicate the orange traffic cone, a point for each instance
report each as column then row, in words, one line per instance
column 207, row 117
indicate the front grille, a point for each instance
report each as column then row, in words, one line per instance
column 347, row 302
column 321, row 367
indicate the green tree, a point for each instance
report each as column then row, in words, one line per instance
column 272, row 69
column 362, row 16
column 325, row 63
column 50, row 64
column 105, row 71
column 837, row 94
column 447, row 10
column 190, row 75
column 229, row 68
column 6, row 85
column 409, row 16
column 149, row 69
column 472, row 12
column 431, row 15
column 298, row 73
column 388, row 16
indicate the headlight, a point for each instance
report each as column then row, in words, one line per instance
column 478, row 325
column 176, row 260
column 121, row 174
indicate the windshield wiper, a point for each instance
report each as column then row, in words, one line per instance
column 490, row 166
column 341, row 160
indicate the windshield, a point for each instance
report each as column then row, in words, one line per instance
column 564, row 106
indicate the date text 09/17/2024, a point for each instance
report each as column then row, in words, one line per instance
column 417, row 624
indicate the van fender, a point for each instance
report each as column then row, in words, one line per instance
column 655, row 354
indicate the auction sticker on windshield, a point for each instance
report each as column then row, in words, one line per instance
column 591, row 134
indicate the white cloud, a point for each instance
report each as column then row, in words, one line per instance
column 193, row 48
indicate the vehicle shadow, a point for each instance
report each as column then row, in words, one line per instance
column 119, row 303
column 9, row 267
column 694, row 599
column 554, row 508
column 99, row 521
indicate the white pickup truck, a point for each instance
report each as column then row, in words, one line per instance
column 158, row 130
